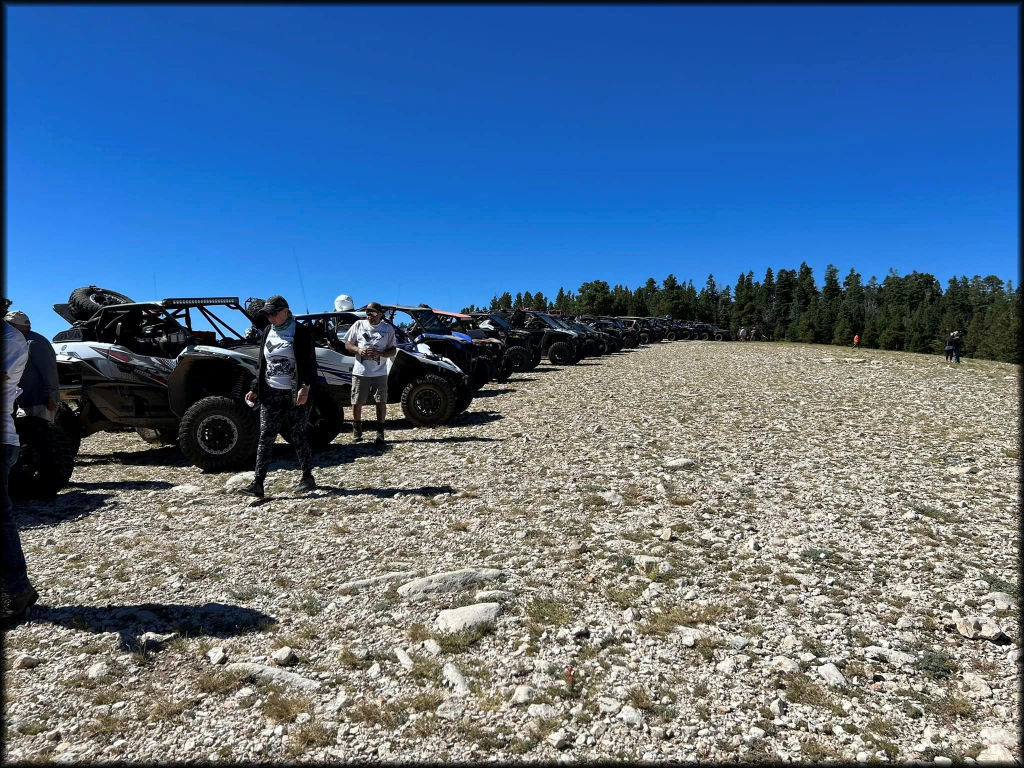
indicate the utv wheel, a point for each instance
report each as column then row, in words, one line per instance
column 45, row 460
column 560, row 353
column 218, row 433
column 519, row 358
column 158, row 435
column 86, row 302
column 645, row 338
column 705, row 336
column 325, row 419
column 536, row 359
column 671, row 336
column 66, row 419
column 428, row 401
column 718, row 337
column 463, row 399
column 481, row 373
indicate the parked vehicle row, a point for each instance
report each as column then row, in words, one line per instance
column 176, row 370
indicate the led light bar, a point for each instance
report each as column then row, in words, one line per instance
column 202, row 301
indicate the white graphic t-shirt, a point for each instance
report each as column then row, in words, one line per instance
column 280, row 353
column 379, row 337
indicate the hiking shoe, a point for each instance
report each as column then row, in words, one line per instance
column 18, row 605
column 379, row 440
column 255, row 488
column 307, row 483
column 357, row 433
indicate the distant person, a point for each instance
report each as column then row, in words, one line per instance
column 39, row 388
column 372, row 341
column 956, row 347
column 18, row 593
column 949, row 346
column 742, row 335
column 856, row 341
column 287, row 371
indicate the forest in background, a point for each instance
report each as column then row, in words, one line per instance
column 902, row 312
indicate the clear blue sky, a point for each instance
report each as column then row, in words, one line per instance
column 445, row 154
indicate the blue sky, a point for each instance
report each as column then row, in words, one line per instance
column 445, row 154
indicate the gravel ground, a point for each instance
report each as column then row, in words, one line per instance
column 695, row 550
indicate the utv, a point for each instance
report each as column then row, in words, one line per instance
column 143, row 365
column 630, row 338
column 431, row 389
column 489, row 363
column 480, row 359
column 558, row 343
column 613, row 335
column 520, row 354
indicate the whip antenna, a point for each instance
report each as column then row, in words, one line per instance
column 301, row 284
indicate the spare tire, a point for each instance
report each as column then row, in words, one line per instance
column 45, row 460
column 325, row 420
column 86, row 302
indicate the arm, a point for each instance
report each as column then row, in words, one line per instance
column 49, row 360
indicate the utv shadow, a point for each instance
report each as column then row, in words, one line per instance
column 69, row 505
column 130, row 621
column 163, row 456
column 492, row 392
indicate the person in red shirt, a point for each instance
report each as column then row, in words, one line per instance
column 856, row 340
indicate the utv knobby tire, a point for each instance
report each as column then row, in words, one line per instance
column 705, row 336
column 66, row 419
column 86, row 302
column 158, row 435
column 560, row 353
column 428, row 401
column 719, row 337
column 537, row 358
column 519, row 358
column 591, row 348
column 463, row 399
column 218, row 433
column 481, row 373
column 45, row 460
column 325, row 419
column 671, row 336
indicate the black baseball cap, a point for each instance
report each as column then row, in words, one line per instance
column 373, row 306
column 274, row 304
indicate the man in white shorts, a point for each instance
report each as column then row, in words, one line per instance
column 372, row 341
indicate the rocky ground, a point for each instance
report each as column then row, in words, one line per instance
column 696, row 550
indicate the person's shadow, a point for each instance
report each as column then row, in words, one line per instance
column 132, row 621
column 69, row 505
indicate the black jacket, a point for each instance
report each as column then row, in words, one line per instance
column 305, row 361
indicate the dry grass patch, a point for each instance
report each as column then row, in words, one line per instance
column 683, row 615
column 284, row 708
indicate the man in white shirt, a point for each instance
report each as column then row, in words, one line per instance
column 18, row 591
column 372, row 341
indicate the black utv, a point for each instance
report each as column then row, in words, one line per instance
column 614, row 336
column 559, row 344
column 520, row 354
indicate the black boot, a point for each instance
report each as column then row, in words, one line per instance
column 307, row 483
column 255, row 488
column 357, row 431
column 380, row 433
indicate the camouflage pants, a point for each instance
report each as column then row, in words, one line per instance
column 277, row 410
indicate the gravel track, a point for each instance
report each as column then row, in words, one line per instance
column 757, row 551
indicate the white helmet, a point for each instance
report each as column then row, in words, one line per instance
column 344, row 303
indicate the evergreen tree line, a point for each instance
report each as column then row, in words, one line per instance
column 908, row 312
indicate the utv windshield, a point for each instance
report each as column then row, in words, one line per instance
column 494, row 323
